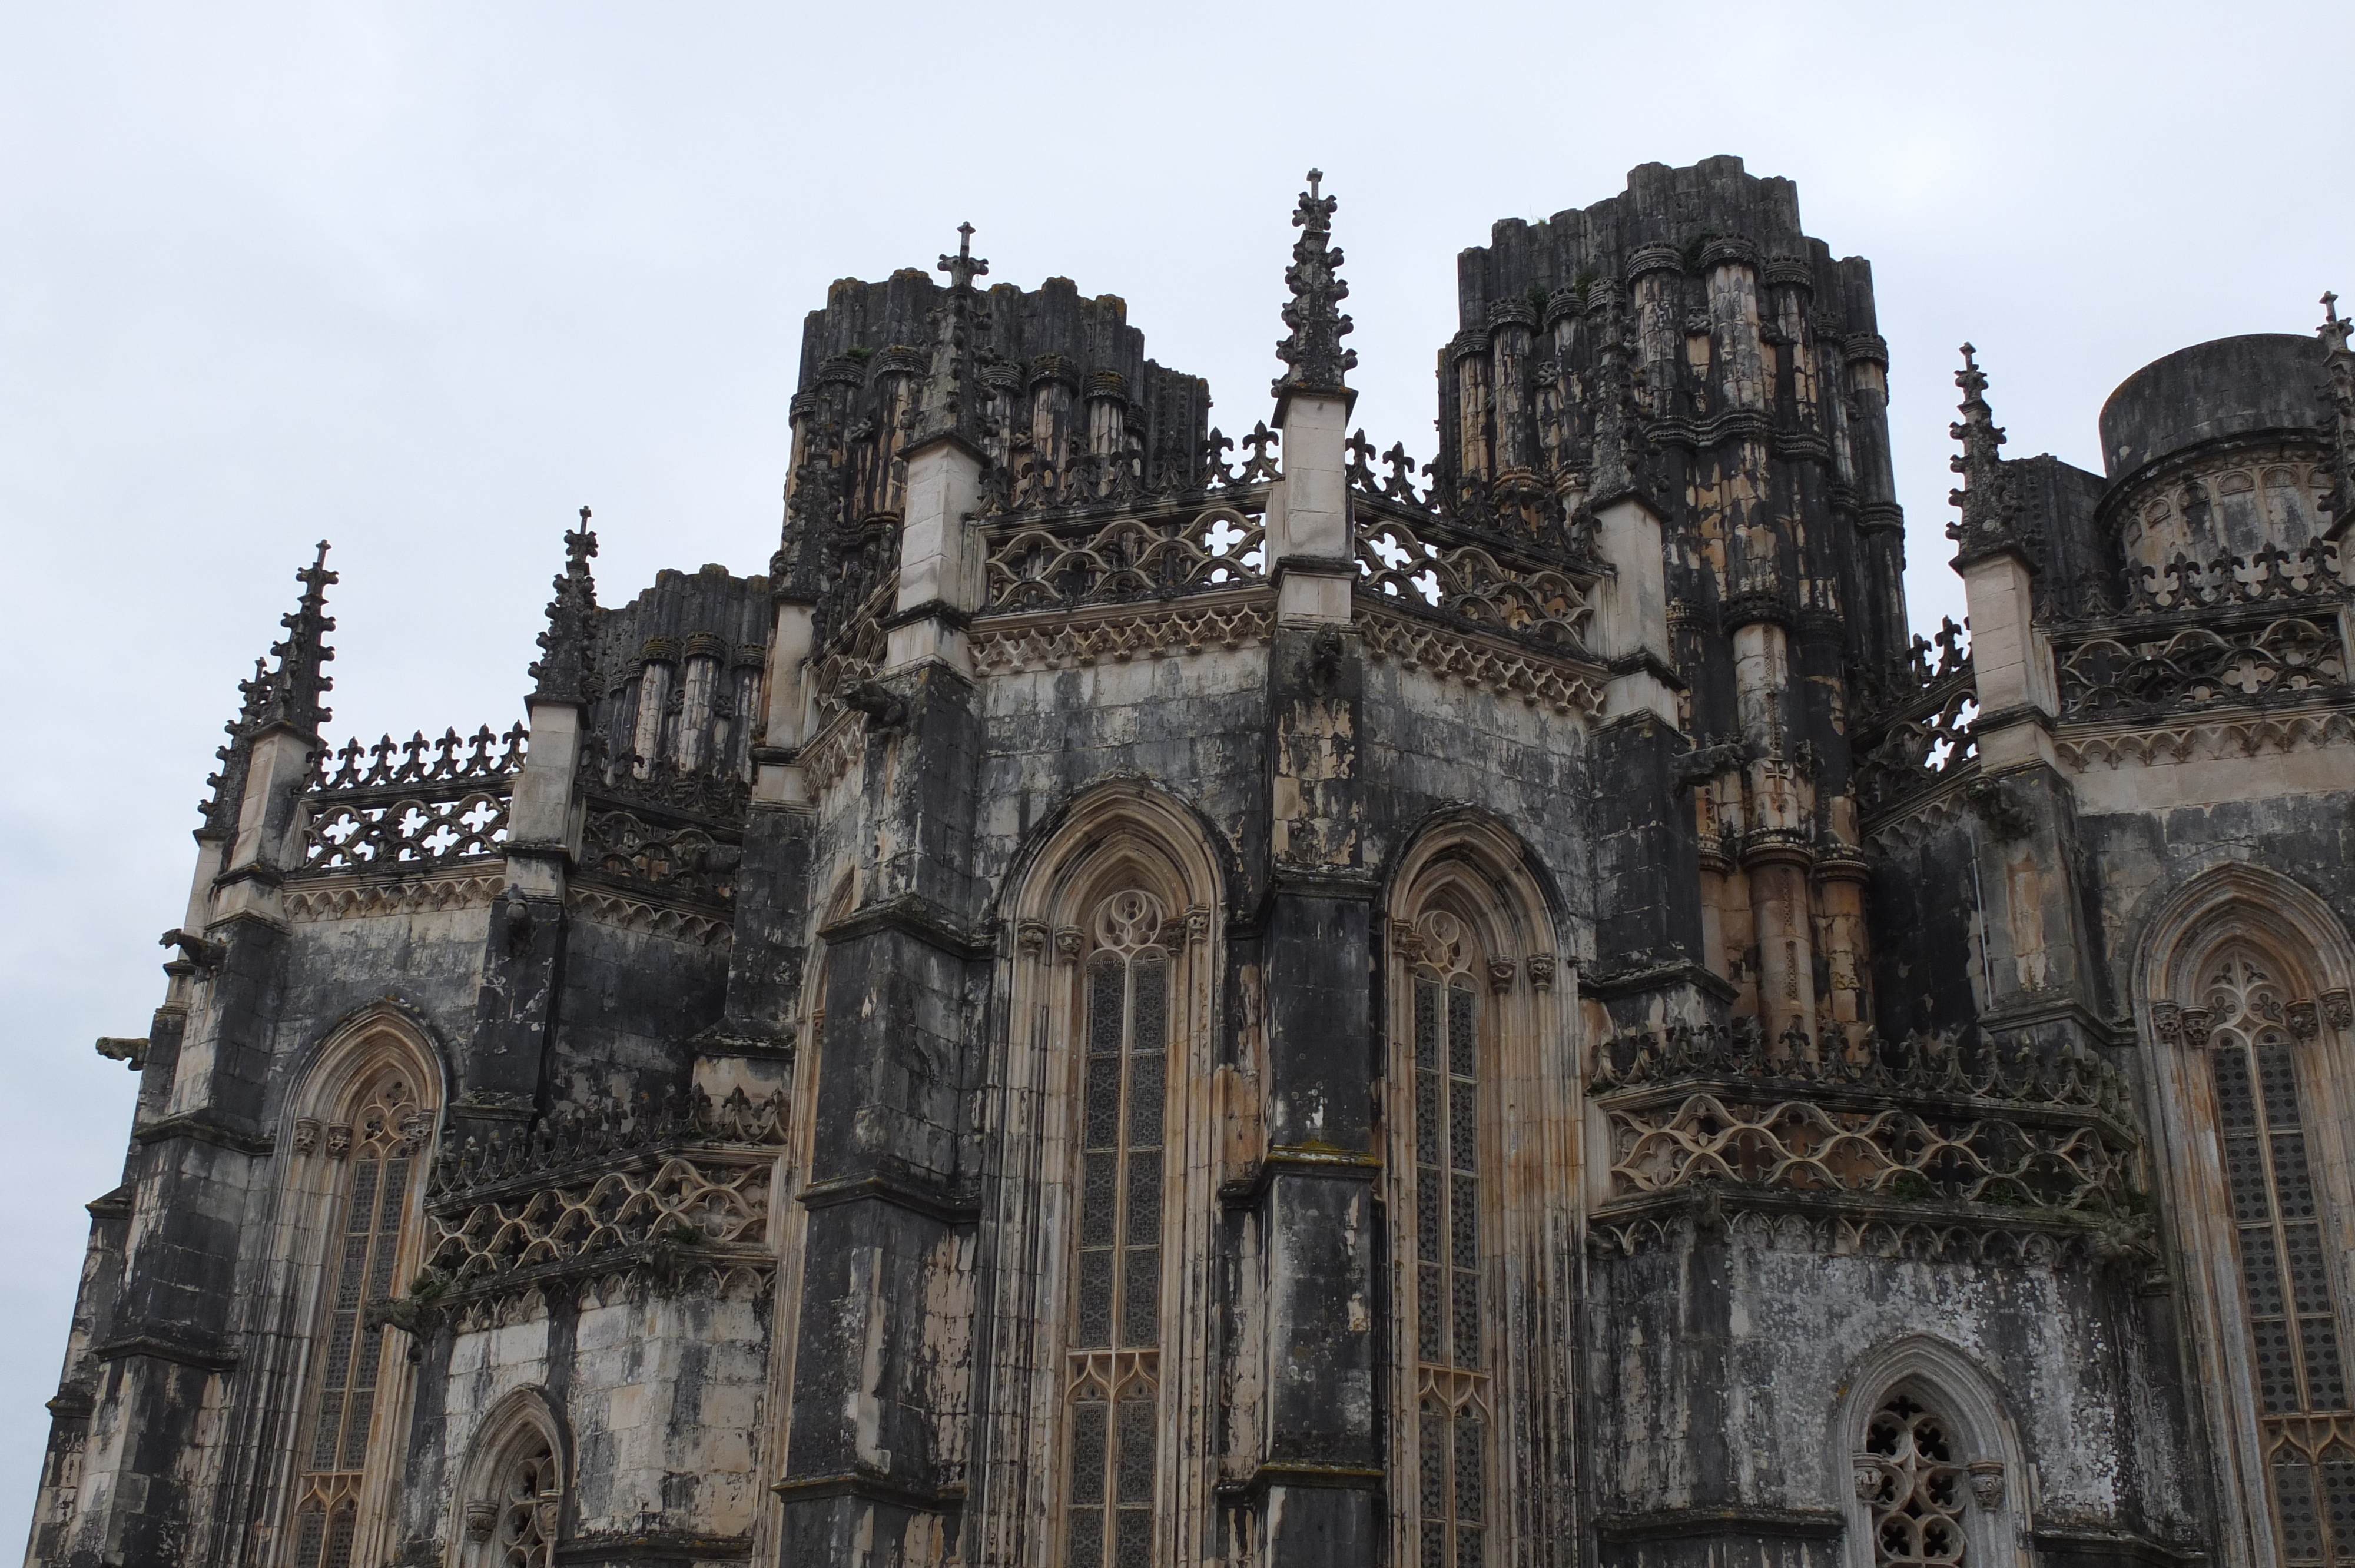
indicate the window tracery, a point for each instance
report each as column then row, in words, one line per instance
column 379, row 1145
column 1112, row 1340
column 2288, row 1295
column 514, row 1526
column 1911, row 1474
column 1453, row 1407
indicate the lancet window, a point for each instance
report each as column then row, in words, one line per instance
column 515, row 1526
column 344, row 1421
column 1453, row 1407
column 1113, row 1371
column 2288, row 1295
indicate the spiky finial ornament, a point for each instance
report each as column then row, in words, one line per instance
column 562, row 671
column 1316, row 360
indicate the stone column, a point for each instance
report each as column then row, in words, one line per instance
column 1509, row 355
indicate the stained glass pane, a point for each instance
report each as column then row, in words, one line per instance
column 1463, row 1226
column 2301, row 1529
column 310, row 1537
column 1099, row 1198
column 1090, row 1438
column 1136, row 1469
column 1462, row 1116
column 1427, row 1119
column 1101, row 1124
column 341, row 1528
column 1461, row 1041
column 1105, row 975
column 329, row 1425
column 353, row 1273
column 1140, row 1323
column 1091, row 1326
column 1426, row 1024
column 355, row 1429
column 1471, row 1468
column 1148, row 1084
column 1085, row 1546
column 2338, row 1476
column 1431, row 1319
column 1135, row 1548
column 1152, row 1026
column 1431, row 1490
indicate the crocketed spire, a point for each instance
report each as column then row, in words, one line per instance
column 952, row 400
column 1988, row 522
column 1317, row 361
column 290, row 693
column 562, row 671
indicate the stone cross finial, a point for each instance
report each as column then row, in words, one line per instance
column 963, row 266
column 1314, row 175
column 2339, row 407
column 2335, row 327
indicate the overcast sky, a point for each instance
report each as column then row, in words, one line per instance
column 423, row 279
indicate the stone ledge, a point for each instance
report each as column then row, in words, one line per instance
column 1703, row 1524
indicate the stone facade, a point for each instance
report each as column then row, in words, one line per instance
column 1144, row 1000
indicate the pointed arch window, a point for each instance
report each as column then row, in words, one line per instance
column 2281, row 1244
column 513, row 1506
column 1452, row 1401
column 344, row 1423
column 1911, row 1476
column 1113, row 1338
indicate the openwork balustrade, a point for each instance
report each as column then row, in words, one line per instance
column 1921, row 741
column 2271, row 577
column 1045, row 565
column 2146, row 668
column 1517, row 510
column 606, row 1185
column 412, row 807
column 1919, row 1120
column 1495, row 591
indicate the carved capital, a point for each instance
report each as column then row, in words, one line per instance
column 1406, row 939
column 1197, row 924
column 2303, row 1019
column 1541, row 970
column 2339, row 1009
column 306, row 1135
column 1030, row 938
column 482, row 1516
column 1500, row 974
column 1069, row 942
column 1868, row 1476
column 2198, row 1022
column 1987, row 1483
column 2167, row 1021
column 340, row 1141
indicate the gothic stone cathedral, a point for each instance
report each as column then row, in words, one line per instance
column 1147, row 1000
